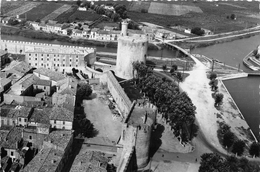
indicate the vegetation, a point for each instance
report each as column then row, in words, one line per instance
column 228, row 139
column 215, row 163
column 254, row 149
column 84, row 91
column 218, row 99
column 238, row 147
column 197, row 31
column 175, row 106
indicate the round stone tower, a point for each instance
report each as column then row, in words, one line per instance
column 130, row 49
column 124, row 28
column 142, row 118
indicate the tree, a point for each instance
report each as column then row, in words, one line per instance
column 78, row 2
column 228, row 139
column 173, row 69
column 211, row 162
column 238, row 147
column 144, row 10
column 13, row 22
column 254, row 149
column 218, row 99
column 233, row 16
column 84, row 91
column 212, row 75
column 164, row 67
column 179, row 76
column 197, row 31
column 69, row 32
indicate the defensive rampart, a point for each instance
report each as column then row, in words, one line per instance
column 18, row 47
column 120, row 97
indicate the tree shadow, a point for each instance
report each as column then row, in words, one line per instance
column 156, row 141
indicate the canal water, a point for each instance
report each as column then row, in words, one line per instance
column 245, row 91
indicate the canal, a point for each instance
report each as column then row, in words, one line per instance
column 245, row 91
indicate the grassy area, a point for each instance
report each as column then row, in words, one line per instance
column 41, row 11
column 111, row 24
column 7, row 6
column 84, row 16
column 64, row 17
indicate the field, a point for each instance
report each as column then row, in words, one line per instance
column 64, row 17
column 84, row 15
column 9, row 6
column 41, row 11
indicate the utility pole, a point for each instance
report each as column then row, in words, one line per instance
column 238, row 67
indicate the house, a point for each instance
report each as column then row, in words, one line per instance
column 61, row 118
column 44, row 85
column 16, row 70
column 5, row 84
column 94, row 33
column 24, row 86
column 77, row 33
column 207, row 32
column 4, row 59
column 82, row 9
column 108, row 28
column 5, row 20
column 187, row 30
column 54, row 153
column 90, row 161
column 40, row 116
column 47, row 74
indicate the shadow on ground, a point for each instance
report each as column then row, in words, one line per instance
column 156, row 141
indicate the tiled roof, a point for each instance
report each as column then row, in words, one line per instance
column 68, row 86
column 53, row 75
column 60, row 138
column 47, row 160
column 19, row 68
column 89, row 161
column 40, row 116
column 14, row 135
column 33, row 103
column 61, row 114
column 42, row 82
column 11, row 111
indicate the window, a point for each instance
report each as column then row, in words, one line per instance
column 42, row 64
column 35, row 64
column 58, row 65
column 70, row 65
column 47, row 59
column 54, row 65
column 54, row 55
column 42, row 59
column 70, row 60
column 76, row 65
column 63, row 64
column 76, row 60
column 29, row 54
column 44, row 87
column 30, row 137
column 25, row 120
column 63, row 122
column 54, row 121
column 29, row 58
column 54, row 59
column 42, row 54
column 47, row 55
column 30, row 64
column 35, row 55
column 35, row 58
column 12, row 153
column 63, row 128
column 63, row 59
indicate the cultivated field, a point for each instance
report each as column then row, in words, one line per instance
column 7, row 6
column 57, row 12
column 22, row 9
column 84, row 15
column 41, row 10
column 64, row 17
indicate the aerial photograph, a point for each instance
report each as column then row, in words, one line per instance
column 130, row 86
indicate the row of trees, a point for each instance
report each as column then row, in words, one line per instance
column 215, row 163
column 119, row 10
column 214, row 87
column 175, row 106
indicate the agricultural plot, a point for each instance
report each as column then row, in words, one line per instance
column 57, row 12
column 8, row 6
column 41, row 11
column 23, row 9
column 64, row 17
column 84, row 15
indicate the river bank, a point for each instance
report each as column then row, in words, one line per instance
column 28, row 33
column 194, row 45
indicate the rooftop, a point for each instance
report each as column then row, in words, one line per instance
column 67, row 86
column 43, row 82
column 14, row 135
column 11, row 111
column 61, row 114
column 89, row 161
column 19, row 68
column 53, row 75
column 47, row 159
column 40, row 115
column 60, row 50
column 60, row 138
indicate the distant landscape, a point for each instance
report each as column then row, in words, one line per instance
column 214, row 16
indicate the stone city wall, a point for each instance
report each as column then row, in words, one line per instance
column 18, row 47
column 118, row 94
